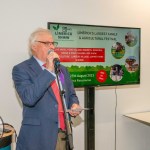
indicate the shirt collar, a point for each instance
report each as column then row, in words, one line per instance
column 39, row 61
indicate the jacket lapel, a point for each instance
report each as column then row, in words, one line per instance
column 34, row 66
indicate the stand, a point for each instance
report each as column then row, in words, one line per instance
column 69, row 137
column 89, row 115
column 89, row 102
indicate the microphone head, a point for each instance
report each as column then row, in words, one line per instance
column 49, row 51
column 56, row 62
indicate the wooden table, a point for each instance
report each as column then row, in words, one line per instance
column 143, row 117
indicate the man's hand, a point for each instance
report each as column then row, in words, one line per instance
column 74, row 110
column 49, row 61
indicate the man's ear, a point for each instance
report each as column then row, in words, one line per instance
column 34, row 47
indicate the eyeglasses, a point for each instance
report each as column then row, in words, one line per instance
column 49, row 43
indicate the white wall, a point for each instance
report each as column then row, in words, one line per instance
column 19, row 18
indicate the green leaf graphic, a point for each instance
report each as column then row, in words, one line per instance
column 56, row 27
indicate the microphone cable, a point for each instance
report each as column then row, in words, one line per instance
column 2, row 127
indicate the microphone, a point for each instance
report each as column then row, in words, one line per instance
column 56, row 62
column 49, row 51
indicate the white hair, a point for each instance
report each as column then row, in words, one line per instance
column 34, row 35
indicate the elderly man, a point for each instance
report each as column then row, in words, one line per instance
column 43, row 126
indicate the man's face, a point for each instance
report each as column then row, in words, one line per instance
column 40, row 48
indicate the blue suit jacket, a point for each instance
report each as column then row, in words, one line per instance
column 39, row 127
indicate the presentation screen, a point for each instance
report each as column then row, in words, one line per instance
column 98, row 55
